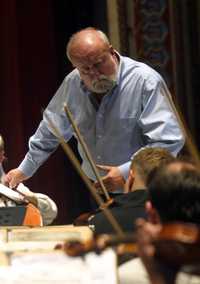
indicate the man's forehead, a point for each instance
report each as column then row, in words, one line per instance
column 89, row 58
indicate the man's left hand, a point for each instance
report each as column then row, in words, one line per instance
column 113, row 180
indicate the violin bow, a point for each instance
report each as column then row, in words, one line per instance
column 112, row 220
column 190, row 145
column 87, row 153
column 193, row 152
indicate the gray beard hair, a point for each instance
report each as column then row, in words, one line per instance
column 103, row 85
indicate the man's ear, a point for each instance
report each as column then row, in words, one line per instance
column 129, row 182
column 132, row 178
column 152, row 213
column 111, row 49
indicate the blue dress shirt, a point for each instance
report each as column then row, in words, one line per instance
column 134, row 115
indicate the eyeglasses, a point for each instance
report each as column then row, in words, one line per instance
column 94, row 68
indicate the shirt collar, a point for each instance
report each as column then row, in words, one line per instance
column 119, row 67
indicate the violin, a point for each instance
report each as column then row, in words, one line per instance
column 122, row 245
column 177, row 245
column 83, row 219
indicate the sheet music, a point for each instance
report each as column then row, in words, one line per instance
column 11, row 194
column 58, row 268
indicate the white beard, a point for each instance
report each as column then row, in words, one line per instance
column 103, row 84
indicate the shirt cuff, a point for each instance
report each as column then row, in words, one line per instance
column 27, row 168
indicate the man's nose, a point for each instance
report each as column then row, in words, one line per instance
column 94, row 73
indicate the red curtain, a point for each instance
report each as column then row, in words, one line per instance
column 28, row 74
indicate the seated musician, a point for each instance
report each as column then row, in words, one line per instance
column 174, row 196
column 130, row 206
column 46, row 205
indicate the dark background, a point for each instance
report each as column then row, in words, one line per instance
column 33, row 35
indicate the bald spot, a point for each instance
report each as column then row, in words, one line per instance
column 177, row 167
column 86, row 44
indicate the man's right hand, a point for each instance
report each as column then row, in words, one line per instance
column 13, row 178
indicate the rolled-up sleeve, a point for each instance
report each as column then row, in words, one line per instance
column 44, row 142
column 41, row 145
column 158, row 121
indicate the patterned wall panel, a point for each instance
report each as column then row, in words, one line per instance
column 152, row 36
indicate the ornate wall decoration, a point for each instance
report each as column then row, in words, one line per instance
column 152, row 36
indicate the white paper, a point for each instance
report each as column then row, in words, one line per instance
column 56, row 267
column 11, row 194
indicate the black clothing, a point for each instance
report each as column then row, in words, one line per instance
column 126, row 209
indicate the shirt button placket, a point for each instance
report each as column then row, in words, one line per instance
column 99, row 131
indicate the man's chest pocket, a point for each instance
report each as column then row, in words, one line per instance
column 85, row 123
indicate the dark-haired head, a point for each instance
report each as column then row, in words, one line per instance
column 174, row 192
